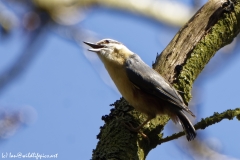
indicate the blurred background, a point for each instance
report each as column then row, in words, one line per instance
column 53, row 92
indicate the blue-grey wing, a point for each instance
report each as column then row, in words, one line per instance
column 151, row 82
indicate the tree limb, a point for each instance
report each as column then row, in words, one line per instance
column 206, row 122
column 158, row 10
column 26, row 55
column 194, row 45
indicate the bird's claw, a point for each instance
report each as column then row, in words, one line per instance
column 130, row 127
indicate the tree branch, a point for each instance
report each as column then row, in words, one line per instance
column 149, row 8
column 26, row 55
column 206, row 122
column 193, row 46
column 210, row 29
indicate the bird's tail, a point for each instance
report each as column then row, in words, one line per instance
column 187, row 125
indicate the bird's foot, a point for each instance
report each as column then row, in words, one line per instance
column 130, row 127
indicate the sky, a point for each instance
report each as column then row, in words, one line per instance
column 65, row 90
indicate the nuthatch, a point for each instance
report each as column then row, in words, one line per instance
column 145, row 89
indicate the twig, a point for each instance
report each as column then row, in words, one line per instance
column 206, row 122
column 27, row 54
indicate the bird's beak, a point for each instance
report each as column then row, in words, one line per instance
column 95, row 47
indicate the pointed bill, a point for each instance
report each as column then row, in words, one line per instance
column 95, row 47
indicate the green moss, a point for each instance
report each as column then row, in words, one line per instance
column 220, row 35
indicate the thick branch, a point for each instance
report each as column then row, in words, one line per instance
column 193, row 46
column 210, row 29
column 149, row 8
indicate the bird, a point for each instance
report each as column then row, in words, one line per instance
column 143, row 87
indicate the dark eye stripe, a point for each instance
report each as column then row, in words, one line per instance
column 107, row 41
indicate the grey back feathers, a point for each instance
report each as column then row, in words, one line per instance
column 148, row 80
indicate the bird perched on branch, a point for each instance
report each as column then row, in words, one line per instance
column 145, row 89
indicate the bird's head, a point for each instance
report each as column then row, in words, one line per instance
column 110, row 50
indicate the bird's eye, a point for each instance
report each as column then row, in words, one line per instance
column 106, row 41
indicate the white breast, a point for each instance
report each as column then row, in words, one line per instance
column 119, row 77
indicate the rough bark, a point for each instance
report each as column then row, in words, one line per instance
column 211, row 28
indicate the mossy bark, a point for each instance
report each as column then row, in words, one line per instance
column 211, row 28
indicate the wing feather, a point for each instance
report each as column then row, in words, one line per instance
column 151, row 82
